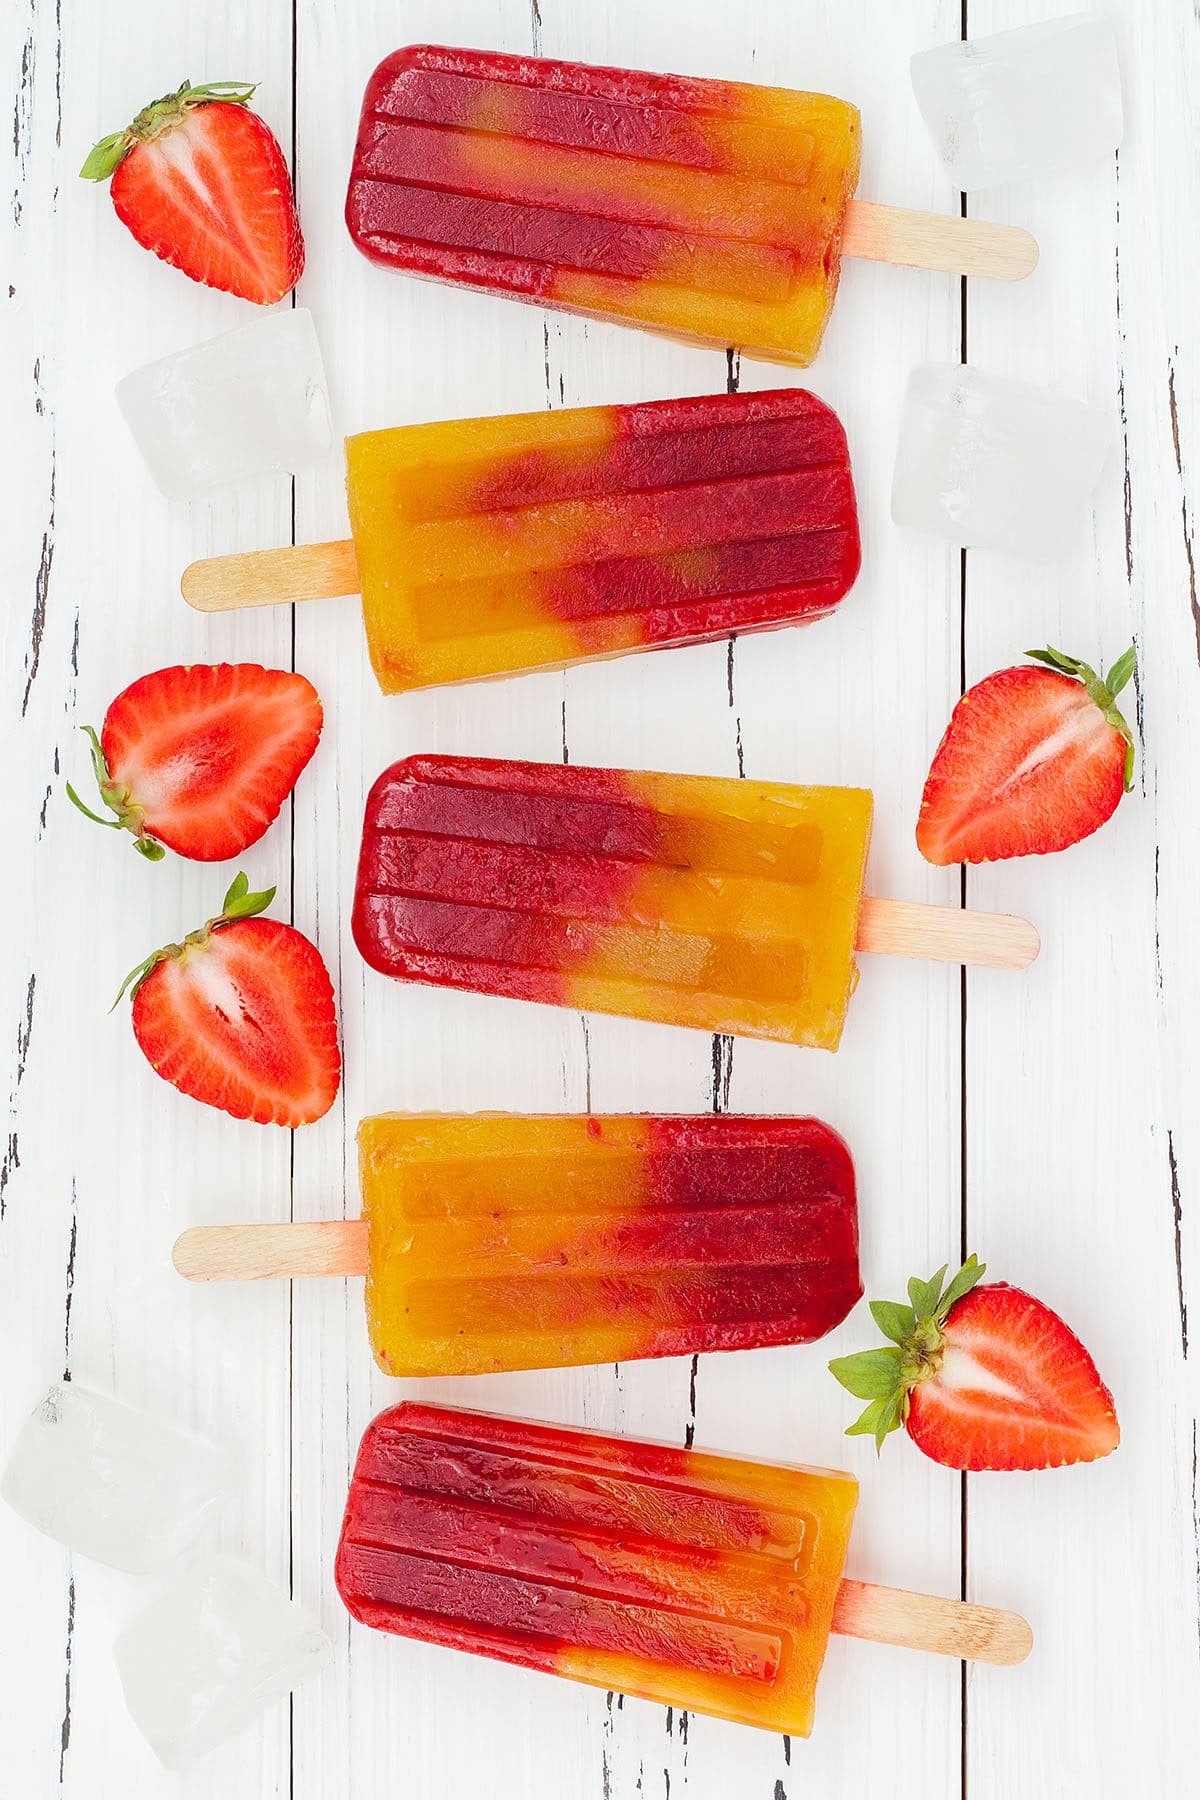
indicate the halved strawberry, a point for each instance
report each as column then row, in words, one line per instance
column 1033, row 760
column 201, row 758
column 241, row 1015
column 200, row 180
column 981, row 1378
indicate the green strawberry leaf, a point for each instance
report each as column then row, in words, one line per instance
column 867, row 1422
column 1118, row 676
column 1065, row 665
column 104, row 158
column 892, row 1415
column 240, row 903
column 869, row 1375
column 73, row 797
column 895, row 1321
column 925, row 1295
column 135, row 977
column 967, row 1277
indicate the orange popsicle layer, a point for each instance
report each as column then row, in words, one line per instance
column 486, row 546
column 701, row 1581
column 502, row 1242
column 730, row 906
column 708, row 210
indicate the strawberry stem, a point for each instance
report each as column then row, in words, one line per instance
column 128, row 815
column 161, row 115
column 885, row 1378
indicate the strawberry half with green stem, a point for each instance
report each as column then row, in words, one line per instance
column 201, row 758
column 200, row 179
column 980, row 1378
column 1033, row 760
column 241, row 1015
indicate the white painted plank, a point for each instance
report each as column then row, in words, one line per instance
column 112, row 1163
column 1074, row 1078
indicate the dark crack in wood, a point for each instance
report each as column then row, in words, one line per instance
column 10, row 1161
column 22, row 132
column 41, row 593
column 1177, row 1216
column 1188, row 544
column 689, row 1430
column 69, row 1300
column 65, row 1729
column 1158, row 964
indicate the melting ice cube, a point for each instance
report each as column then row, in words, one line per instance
column 1005, row 107
column 111, row 1482
column 215, row 1650
column 250, row 403
column 996, row 464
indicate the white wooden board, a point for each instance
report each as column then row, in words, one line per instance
column 1046, row 1121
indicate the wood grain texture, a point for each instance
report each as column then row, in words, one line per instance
column 1044, row 1120
column 928, row 1623
column 947, row 934
column 921, row 240
column 271, row 577
column 272, row 1252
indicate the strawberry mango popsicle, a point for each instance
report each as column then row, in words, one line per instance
column 708, row 210
column 494, row 1241
column 505, row 1242
column 485, row 546
column 700, row 1581
column 730, row 906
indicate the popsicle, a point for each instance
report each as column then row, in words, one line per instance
column 714, row 211
column 730, row 906
column 706, row 1582
column 493, row 1242
column 487, row 546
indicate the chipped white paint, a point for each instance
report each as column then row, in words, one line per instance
column 1081, row 1156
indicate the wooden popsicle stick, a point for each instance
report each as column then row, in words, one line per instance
column 272, row 1252
column 272, row 577
column 946, row 934
column 925, row 240
column 926, row 1622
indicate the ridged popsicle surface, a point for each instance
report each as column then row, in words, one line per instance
column 488, row 546
column 503, row 1242
column 731, row 906
column 708, row 210
column 701, row 1581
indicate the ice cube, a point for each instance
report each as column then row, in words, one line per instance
column 996, row 464
column 112, row 1483
column 210, row 1654
column 1041, row 97
column 250, row 403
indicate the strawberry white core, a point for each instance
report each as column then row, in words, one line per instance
column 965, row 1374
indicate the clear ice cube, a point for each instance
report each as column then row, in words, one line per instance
column 210, row 1654
column 996, row 464
column 111, row 1482
column 1005, row 107
column 253, row 402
